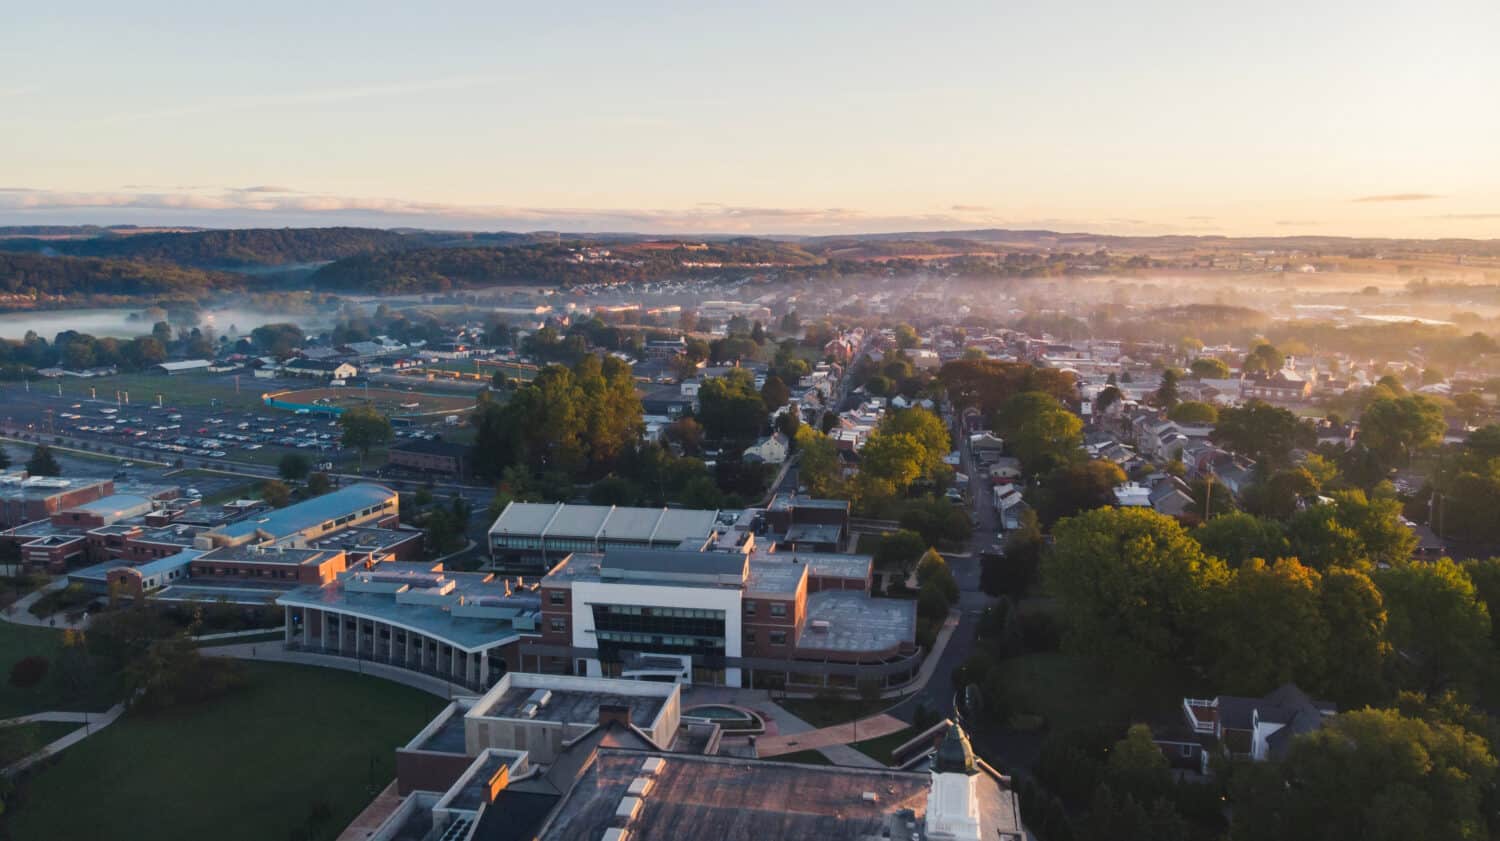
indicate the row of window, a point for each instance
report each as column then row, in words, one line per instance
column 674, row 612
column 775, row 638
column 778, row 609
column 653, row 639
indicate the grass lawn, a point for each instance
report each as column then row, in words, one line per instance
column 821, row 712
column 192, row 389
column 880, row 749
column 17, row 641
column 249, row 766
column 21, row 740
column 1074, row 692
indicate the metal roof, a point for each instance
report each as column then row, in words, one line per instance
column 313, row 512
column 600, row 522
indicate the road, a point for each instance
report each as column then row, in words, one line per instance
column 937, row 696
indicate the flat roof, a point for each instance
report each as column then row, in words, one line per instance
column 730, row 798
column 471, row 633
column 117, row 504
column 856, row 622
column 780, row 577
column 673, row 561
column 814, row 533
column 820, row 564
column 571, row 706
column 268, row 555
column 312, row 512
column 600, row 522
column 362, row 538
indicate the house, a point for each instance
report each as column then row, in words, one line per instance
column 1170, row 496
column 1285, row 385
column 769, row 450
column 331, row 368
column 441, row 457
column 1247, row 728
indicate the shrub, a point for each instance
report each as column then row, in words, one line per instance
column 28, row 672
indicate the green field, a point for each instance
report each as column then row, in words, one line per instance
column 22, row 740
column 826, row 712
column 248, row 767
column 17, row 641
column 193, row 389
column 879, row 749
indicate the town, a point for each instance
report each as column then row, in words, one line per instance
column 865, row 539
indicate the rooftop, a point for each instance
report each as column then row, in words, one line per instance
column 600, row 522
column 733, row 799
column 856, row 622
column 313, row 512
column 567, row 706
column 252, row 554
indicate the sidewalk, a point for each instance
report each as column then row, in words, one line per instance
column 839, row 734
column 19, row 613
column 93, row 723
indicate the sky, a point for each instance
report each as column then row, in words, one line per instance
column 1365, row 117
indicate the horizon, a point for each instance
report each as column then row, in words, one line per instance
column 1163, row 119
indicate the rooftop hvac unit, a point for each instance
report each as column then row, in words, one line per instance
column 540, row 698
column 615, row 833
column 652, row 766
column 529, row 711
column 629, row 808
column 640, row 787
column 820, row 624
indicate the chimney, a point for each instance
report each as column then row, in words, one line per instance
column 614, row 713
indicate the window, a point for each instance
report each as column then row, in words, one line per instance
column 749, row 608
column 558, row 597
column 1187, row 750
column 749, row 638
column 778, row 637
column 778, row 608
column 559, row 624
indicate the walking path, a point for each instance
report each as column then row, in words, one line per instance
column 839, row 734
column 366, row 822
column 19, row 613
column 93, row 723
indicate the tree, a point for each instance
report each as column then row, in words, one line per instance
column 1437, row 621
column 318, row 484
column 1130, row 583
column 1371, row 775
column 28, row 671
column 686, row 433
column 1194, row 413
column 1355, row 613
column 275, row 493
column 1108, row 396
column 1014, row 572
column 1167, row 393
column 364, row 428
column 730, row 408
column 1267, row 628
column 1353, row 531
column 1077, row 487
column 1237, row 537
column 1395, row 428
column 893, row 461
column 294, row 466
column 932, row 568
column 1209, row 368
column 775, row 393
column 819, row 461
column 43, row 463
column 1486, row 577
column 1040, row 431
column 906, row 336
column 1263, row 358
column 1263, row 432
column 927, row 430
column 899, row 550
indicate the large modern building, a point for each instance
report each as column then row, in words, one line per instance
column 548, row 758
column 463, row 627
column 535, row 536
column 734, row 618
column 26, row 499
column 295, row 525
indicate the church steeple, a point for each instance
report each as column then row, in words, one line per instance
column 954, row 755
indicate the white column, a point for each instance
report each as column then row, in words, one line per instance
column 406, row 660
column 359, row 634
column 338, row 619
column 288, row 636
column 452, row 661
column 484, row 668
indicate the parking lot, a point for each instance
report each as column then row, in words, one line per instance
column 201, row 432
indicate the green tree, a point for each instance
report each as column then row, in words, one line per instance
column 1209, row 368
column 894, row 460
column 1130, row 583
column 318, row 484
column 1167, row 394
column 1236, row 537
column 1438, row 622
column 1396, row 428
column 899, row 550
column 1263, row 432
column 818, row 462
column 1263, row 358
column 933, row 568
column 906, row 336
column 275, row 493
column 293, row 467
column 1194, row 413
column 775, row 393
column 1077, row 487
column 1267, row 628
column 1040, row 431
column 1371, row 775
column 730, row 408
column 1354, row 610
column 4, row 459
column 363, row 429
column 1353, row 531
column 43, row 462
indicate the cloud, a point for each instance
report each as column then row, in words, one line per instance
column 1467, row 216
column 1389, row 197
column 969, row 208
column 264, row 189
